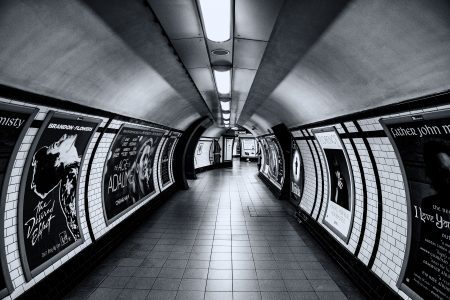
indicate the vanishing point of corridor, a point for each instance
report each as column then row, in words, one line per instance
column 227, row 237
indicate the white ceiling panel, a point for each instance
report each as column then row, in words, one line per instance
column 248, row 53
column 192, row 52
column 178, row 17
column 202, row 78
column 256, row 18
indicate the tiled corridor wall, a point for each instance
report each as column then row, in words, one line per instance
column 95, row 210
column 383, row 240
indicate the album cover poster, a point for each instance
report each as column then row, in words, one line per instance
column 128, row 171
column 340, row 205
column 165, row 160
column 248, row 147
column 49, row 223
column 14, row 121
column 275, row 161
column 297, row 173
column 422, row 144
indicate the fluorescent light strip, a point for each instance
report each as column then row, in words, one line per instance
column 225, row 105
column 216, row 19
column 223, row 81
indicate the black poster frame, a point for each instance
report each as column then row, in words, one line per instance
column 167, row 137
column 398, row 120
column 274, row 140
column 155, row 163
column 30, row 274
column 4, row 189
column 296, row 199
column 346, row 238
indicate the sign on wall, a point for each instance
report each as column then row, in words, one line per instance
column 340, row 204
column 128, row 171
column 49, row 224
column 228, row 149
column 204, row 155
column 14, row 121
column 275, row 161
column 165, row 160
column 297, row 173
column 248, row 147
column 422, row 144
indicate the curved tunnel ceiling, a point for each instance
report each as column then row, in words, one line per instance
column 110, row 55
column 347, row 57
column 323, row 59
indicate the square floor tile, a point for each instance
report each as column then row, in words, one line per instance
column 298, row 285
column 105, row 293
column 213, row 285
column 220, row 274
column 244, row 274
column 161, row 295
column 171, row 273
column 196, row 273
column 115, row 282
column 218, row 296
column 167, row 284
column 128, row 294
column 245, row 285
column 142, row 283
column 246, row 295
column 270, row 285
column 192, row 284
column 324, row 286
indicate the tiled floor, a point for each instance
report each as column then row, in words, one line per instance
column 225, row 238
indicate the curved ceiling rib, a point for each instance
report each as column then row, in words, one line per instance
column 327, row 59
column 110, row 55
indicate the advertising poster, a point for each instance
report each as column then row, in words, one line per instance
column 49, row 223
column 248, row 147
column 204, row 154
column 297, row 173
column 228, row 149
column 128, row 171
column 165, row 160
column 422, row 144
column 275, row 161
column 14, row 121
column 340, row 204
column 217, row 152
column 264, row 157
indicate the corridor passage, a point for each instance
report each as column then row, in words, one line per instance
column 227, row 237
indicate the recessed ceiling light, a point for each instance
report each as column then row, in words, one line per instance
column 216, row 19
column 223, row 81
column 226, row 116
column 220, row 52
column 225, row 105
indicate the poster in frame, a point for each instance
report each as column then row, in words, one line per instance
column 422, row 146
column 275, row 161
column 165, row 160
column 49, row 218
column 339, row 211
column 14, row 123
column 129, row 170
column 297, row 173
column 248, row 147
